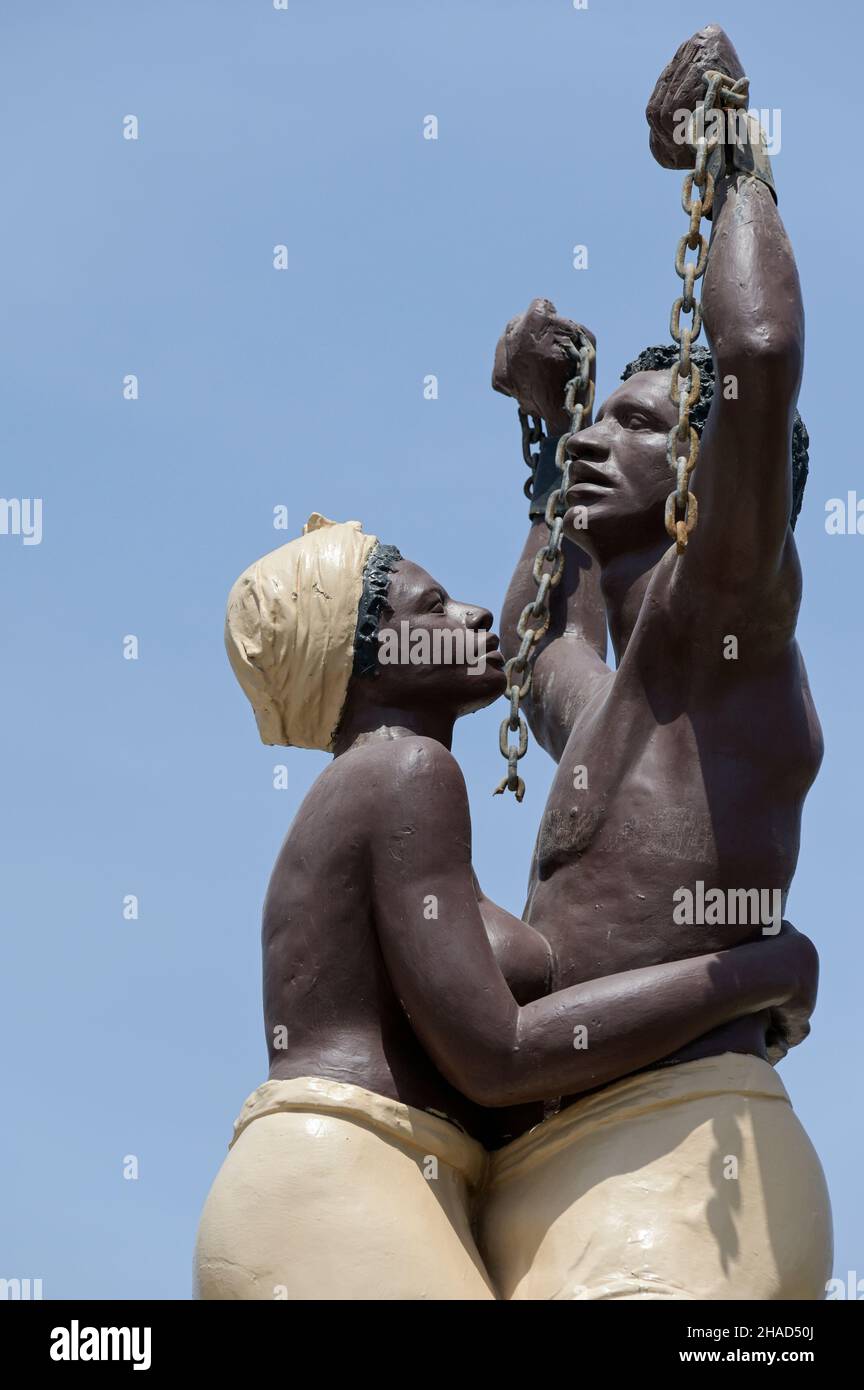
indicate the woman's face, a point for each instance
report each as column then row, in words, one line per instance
column 433, row 648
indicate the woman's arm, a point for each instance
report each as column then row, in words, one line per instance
column 443, row 970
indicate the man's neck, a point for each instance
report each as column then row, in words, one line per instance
column 624, row 580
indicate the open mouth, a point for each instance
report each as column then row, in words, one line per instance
column 584, row 474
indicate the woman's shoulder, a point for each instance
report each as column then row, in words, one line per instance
column 403, row 767
column 409, row 753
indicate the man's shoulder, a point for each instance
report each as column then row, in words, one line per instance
column 686, row 602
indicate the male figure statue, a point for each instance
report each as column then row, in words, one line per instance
column 681, row 773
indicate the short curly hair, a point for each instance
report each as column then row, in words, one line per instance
column 658, row 359
column 380, row 563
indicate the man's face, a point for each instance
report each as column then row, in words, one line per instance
column 619, row 469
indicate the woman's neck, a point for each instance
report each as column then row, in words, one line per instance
column 371, row 723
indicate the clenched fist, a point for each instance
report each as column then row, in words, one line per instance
column 680, row 87
column 533, row 364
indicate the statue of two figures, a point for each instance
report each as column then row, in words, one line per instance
column 581, row 1103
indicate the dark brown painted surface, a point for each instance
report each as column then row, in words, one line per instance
column 697, row 765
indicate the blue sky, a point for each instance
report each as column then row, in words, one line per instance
column 304, row 388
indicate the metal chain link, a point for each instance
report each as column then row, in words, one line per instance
column 681, row 506
column 532, row 433
column 578, row 401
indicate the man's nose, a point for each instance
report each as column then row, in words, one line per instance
column 589, row 444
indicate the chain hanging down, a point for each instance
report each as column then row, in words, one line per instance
column 681, row 504
column 578, row 401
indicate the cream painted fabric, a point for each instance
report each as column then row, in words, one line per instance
column 688, row 1182
column 289, row 631
column 332, row 1192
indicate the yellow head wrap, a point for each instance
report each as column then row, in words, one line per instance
column 289, row 631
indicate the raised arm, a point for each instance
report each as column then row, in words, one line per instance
column 442, row 967
column 754, row 322
column 532, row 364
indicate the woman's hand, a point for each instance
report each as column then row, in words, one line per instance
column 790, row 1022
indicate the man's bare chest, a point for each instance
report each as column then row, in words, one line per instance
column 685, row 785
